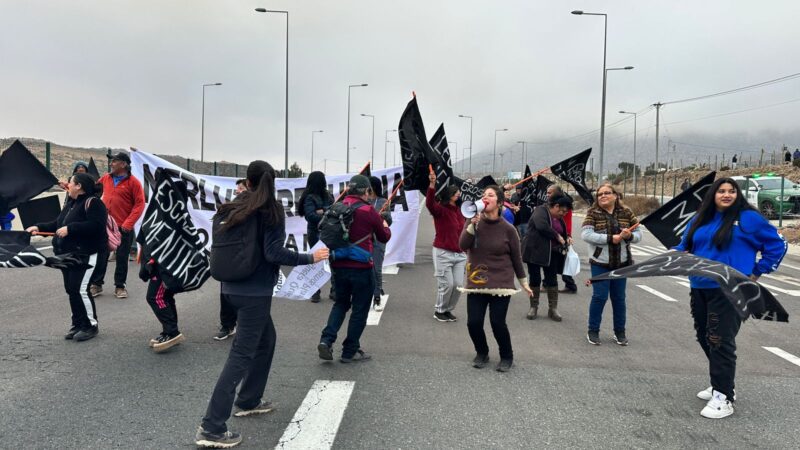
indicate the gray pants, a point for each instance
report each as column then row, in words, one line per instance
column 448, row 268
column 378, row 252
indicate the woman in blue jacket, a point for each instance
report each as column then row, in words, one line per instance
column 725, row 229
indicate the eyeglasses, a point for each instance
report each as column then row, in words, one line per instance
column 603, row 194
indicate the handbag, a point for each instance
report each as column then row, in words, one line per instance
column 572, row 263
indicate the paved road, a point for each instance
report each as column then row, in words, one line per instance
column 419, row 391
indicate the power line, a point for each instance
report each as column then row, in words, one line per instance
column 737, row 90
column 734, row 112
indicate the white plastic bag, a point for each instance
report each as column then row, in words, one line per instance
column 572, row 264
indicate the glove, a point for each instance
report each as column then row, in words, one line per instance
column 387, row 216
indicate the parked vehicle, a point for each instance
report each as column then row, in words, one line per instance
column 764, row 193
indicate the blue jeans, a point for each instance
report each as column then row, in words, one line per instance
column 600, row 294
column 354, row 288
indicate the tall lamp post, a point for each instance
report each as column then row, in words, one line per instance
column 494, row 149
column 470, row 138
column 524, row 155
column 385, row 145
column 347, row 163
column 286, row 107
column 372, row 140
column 312, row 147
column 203, row 120
column 634, row 148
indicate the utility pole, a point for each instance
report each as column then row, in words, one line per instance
column 658, row 110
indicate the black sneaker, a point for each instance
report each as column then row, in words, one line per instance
column 619, row 338
column 85, row 335
column 450, row 317
column 441, row 317
column 166, row 341
column 316, row 297
column 71, row 333
column 227, row 439
column 360, row 356
column 155, row 340
column 376, row 303
column 504, row 365
column 224, row 333
column 593, row 337
column 480, row 361
column 262, row 408
column 325, row 351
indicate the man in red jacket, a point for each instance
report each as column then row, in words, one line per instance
column 124, row 198
column 354, row 280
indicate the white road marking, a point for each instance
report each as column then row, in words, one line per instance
column 656, row 250
column 782, row 278
column 44, row 248
column 656, row 293
column 390, row 270
column 374, row 317
column 636, row 252
column 785, row 355
column 684, row 284
column 317, row 420
column 792, row 292
column 783, row 264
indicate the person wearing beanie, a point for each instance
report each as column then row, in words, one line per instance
column 354, row 280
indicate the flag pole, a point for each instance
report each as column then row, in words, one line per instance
column 545, row 170
column 344, row 192
column 389, row 200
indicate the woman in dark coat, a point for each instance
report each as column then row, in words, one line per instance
column 79, row 230
column 544, row 249
column 312, row 206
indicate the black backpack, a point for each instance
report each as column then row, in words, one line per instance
column 334, row 228
column 236, row 251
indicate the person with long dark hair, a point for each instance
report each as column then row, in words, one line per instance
column 545, row 249
column 448, row 258
column 728, row 230
column 607, row 229
column 227, row 314
column 79, row 229
column 253, row 346
column 494, row 259
column 315, row 200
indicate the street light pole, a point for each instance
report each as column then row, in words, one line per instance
column 524, row 156
column 470, row 139
column 372, row 156
column 286, row 107
column 312, row 147
column 203, row 120
column 347, row 164
column 494, row 149
column 634, row 147
column 385, row 145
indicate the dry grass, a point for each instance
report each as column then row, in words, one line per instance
column 791, row 234
column 640, row 205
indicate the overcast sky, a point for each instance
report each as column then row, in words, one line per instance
column 129, row 73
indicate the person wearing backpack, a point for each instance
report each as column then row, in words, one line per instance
column 246, row 254
column 79, row 229
column 353, row 266
column 227, row 314
column 312, row 206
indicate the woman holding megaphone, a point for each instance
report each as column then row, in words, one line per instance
column 448, row 258
column 492, row 265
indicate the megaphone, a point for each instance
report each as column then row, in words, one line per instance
column 470, row 209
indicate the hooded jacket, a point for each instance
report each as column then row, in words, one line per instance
column 86, row 226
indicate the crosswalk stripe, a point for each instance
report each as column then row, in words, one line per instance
column 374, row 317
column 783, row 354
column 317, row 420
column 657, row 293
column 782, row 278
column 783, row 264
column 656, row 250
column 792, row 292
column 390, row 270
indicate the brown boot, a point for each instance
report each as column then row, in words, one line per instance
column 552, row 300
column 533, row 312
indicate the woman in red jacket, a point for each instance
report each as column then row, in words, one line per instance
column 448, row 258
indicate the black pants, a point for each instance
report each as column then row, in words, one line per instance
column 162, row 301
column 476, row 312
column 121, row 271
column 354, row 288
column 717, row 323
column 249, row 361
column 81, row 302
column 569, row 282
column 535, row 275
column 227, row 313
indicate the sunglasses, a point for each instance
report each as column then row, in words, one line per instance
column 603, row 194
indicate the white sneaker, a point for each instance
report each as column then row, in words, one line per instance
column 705, row 395
column 718, row 407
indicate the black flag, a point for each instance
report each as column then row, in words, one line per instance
column 414, row 148
column 573, row 170
column 439, row 158
column 17, row 252
column 171, row 239
column 93, row 169
column 540, row 190
column 526, row 199
column 22, row 177
column 668, row 222
column 747, row 296
column 473, row 191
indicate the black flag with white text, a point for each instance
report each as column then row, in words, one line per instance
column 668, row 222
column 414, row 148
column 439, row 157
column 573, row 171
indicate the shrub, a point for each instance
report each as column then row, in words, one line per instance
column 641, row 205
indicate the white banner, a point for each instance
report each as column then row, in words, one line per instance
column 207, row 192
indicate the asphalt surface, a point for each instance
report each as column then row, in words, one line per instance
column 419, row 391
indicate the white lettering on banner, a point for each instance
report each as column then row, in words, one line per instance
column 202, row 188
